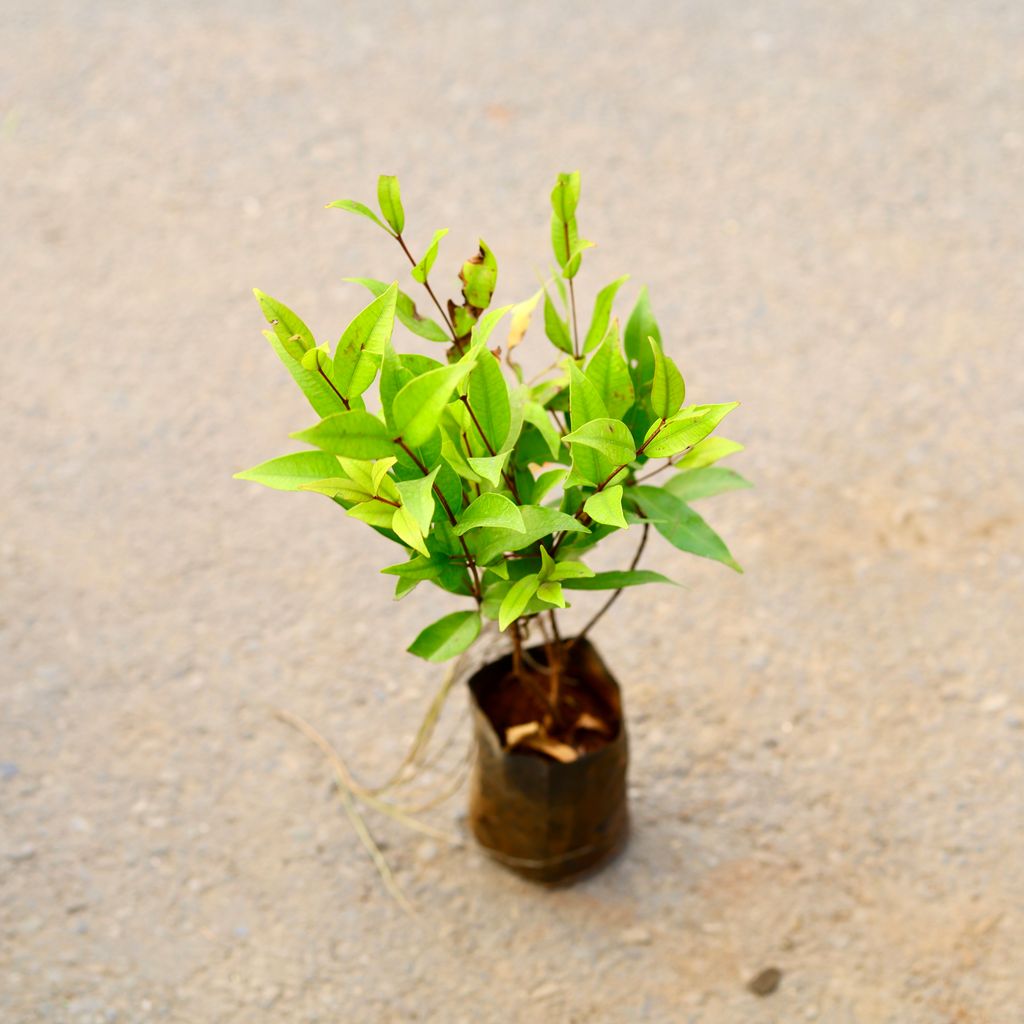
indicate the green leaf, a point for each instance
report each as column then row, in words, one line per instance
column 356, row 434
column 705, row 483
column 404, row 523
column 418, row 498
column 421, row 271
column 708, row 451
column 543, row 484
column 565, row 196
column 616, row 580
column 361, row 346
column 585, row 402
column 479, row 277
column 489, row 467
column 487, row 392
column 390, row 201
column 290, row 472
column 602, row 314
column 667, row 387
column 535, row 414
column 551, row 592
column 555, row 327
column 573, row 262
column 516, row 600
column 447, row 637
column 685, row 429
column 680, row 525
column 406, row 311
column 484, row 327
column 293, row 334
column 609, row 374
column 641, row 326
column 418, row 406
column 491, row 509
column 606, row 507
column 538, row 522
column 353, row 207
column 375, row 513
column 570, row 570
column 340, row 488
column 611, row 438
column 319, row 393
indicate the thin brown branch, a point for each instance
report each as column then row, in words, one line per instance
column 478, row 594
column 430, row 291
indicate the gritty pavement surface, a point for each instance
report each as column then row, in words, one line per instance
column 827, row 775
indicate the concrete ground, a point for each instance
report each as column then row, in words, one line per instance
column 827, row 777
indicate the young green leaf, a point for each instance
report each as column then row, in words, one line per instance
column 404, row 524
column 491, row 509
column 680, row 525
column 609, row 437
column 570, row 570
column 293, row 334
column 518, row 597
column 447, row 637
column 565, row 196
column 641, row 326
column 318, row 391
column 290, row 472
column 489, row 467
column 708, row 452
column 487, row 394
column 616, row 580
column 551, row 592
column 406, row 311
column 692, row 484
column 579, row 246
column 685, row 429
column 602, row 314
column 362, row 343
column 356, row 435
column 538, row 522
column 667, row 387
column 418, row 406
column 608, row 372
column 390, row 201
column 341, row 488
column 606, row 507
column 543, row 484
column 364, row 211
column 421, row 271
column 535, row 414
column 555, row 327
column 375, row 513
column 418, row 499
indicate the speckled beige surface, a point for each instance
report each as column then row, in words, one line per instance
column 825, row 200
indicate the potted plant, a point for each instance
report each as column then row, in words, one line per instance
column 496, row 489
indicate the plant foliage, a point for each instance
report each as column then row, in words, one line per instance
column 494, row 488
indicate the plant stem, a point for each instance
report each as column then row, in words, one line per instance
column 506, row 476
column 611, row 600
column 555, row 663
column 478, row 594
column 330, row 384
column 580, row 514
column 430, row 291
